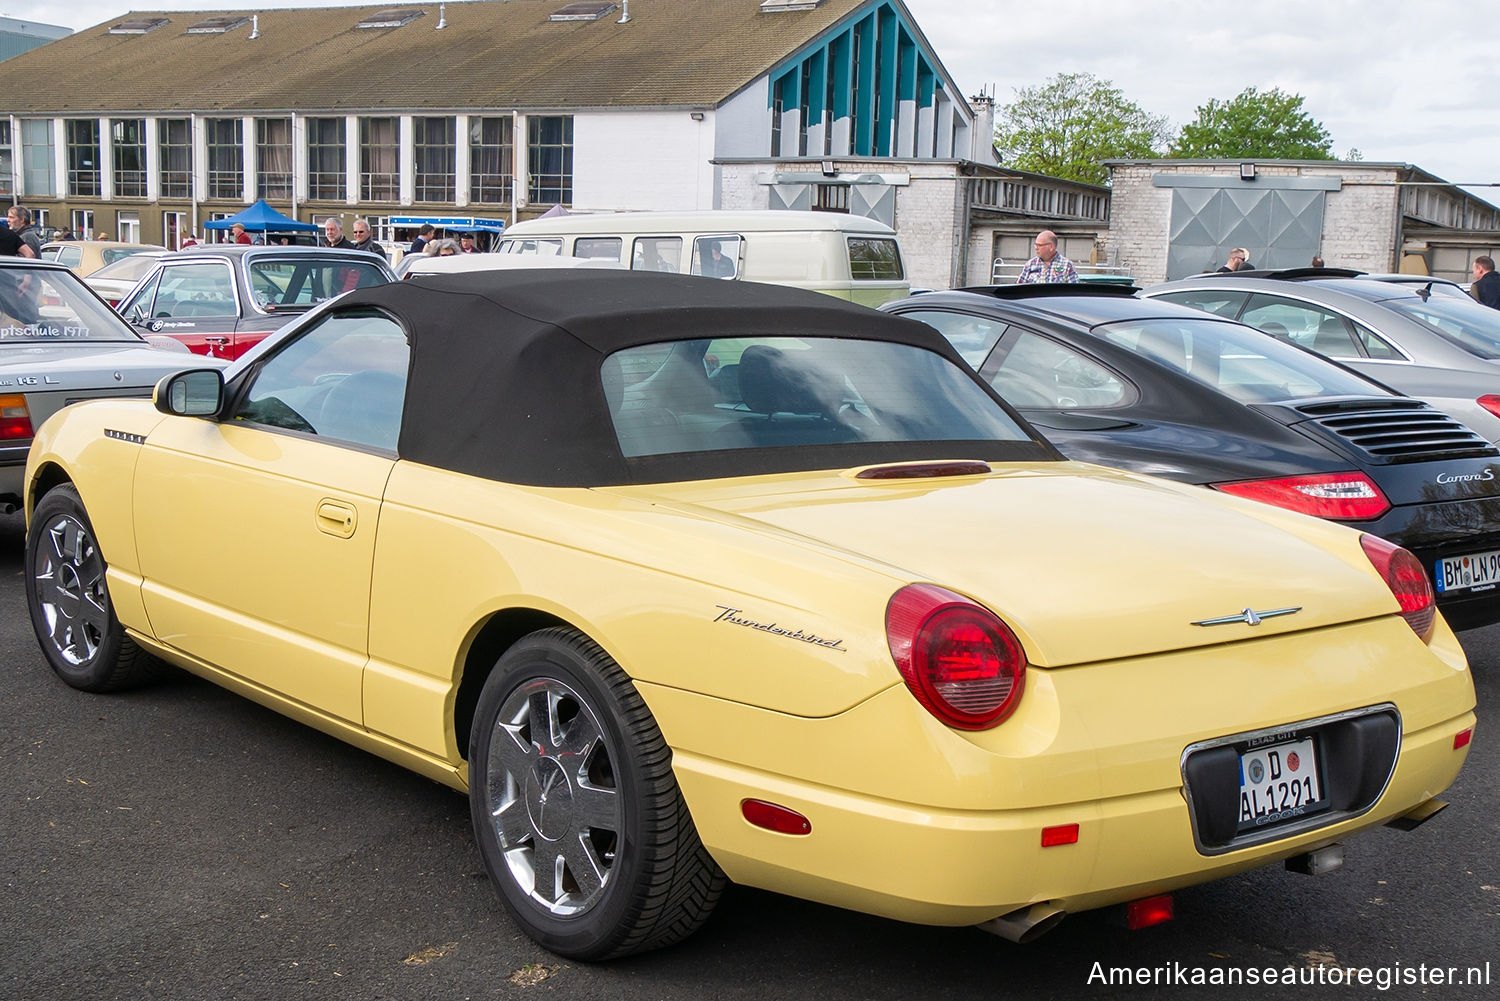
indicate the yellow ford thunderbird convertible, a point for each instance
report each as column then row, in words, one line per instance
column 686, row 581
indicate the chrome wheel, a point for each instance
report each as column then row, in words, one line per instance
column 68, row 577
column 552, row 796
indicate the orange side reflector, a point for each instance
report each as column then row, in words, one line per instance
column 1062, row 834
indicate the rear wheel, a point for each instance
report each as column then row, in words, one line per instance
column 68, row 598
column 576, row 810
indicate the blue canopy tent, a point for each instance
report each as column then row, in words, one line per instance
column 261, row 218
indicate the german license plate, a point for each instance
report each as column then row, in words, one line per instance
column 1460, row 573
column 1279, row 782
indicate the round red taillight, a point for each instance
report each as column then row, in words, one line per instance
column 1407, row 580
column 961, row 662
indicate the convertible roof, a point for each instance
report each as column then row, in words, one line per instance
column 505, row 376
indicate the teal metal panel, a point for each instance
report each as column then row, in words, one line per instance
column 864, row 87
column 886, row 53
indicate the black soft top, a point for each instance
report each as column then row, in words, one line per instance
column 505, row 379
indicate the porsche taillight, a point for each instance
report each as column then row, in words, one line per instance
column 1490, row 402
column 1351, row 496
column 15, row 419
column 961, row 662
column 1407, row 580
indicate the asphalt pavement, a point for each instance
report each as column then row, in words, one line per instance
column 179, row 842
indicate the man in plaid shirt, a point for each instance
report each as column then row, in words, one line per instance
column 1048, row 265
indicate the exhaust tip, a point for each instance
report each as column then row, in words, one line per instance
column 1318, row 861
column 1026, row 924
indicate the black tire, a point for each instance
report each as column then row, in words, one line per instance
column 611, row 864
column 68, row 598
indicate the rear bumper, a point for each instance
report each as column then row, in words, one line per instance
column 919, row 823
column 1435, row 531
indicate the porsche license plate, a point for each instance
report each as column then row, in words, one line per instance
column 1459, row 573
column 1278, row 783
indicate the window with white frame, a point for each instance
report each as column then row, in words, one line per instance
column 550, row 159
column 491, row 156
column 174, row 229
column 36, row 157
column 174, row 140
column 129, row 226
column 436, row 158
column 127, row 140
column 273, row 158
column 82, row 138
column 7, row 164
column 379, row 159
column 325, row 159
column 226, row 157
column 82, row 222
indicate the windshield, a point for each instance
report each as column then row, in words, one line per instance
column 46, row 305
column 283, row 284
column 768, row 392
column 129, row 268
column 1243, row 363
column 1460, row 321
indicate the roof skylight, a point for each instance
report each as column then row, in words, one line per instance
column 587, row 10
column 138, row 25
column 391, row 17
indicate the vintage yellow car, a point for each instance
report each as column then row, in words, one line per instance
column 685, row 581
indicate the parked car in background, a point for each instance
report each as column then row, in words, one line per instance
column 1153, row 387
column 60, row 344
column 413, row 265
column 1430, row 343
column 688, row 581
column 115, row 280
column 84, row 257
column 848, row 256
column 223, row 299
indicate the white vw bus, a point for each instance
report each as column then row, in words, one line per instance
column 850, row 257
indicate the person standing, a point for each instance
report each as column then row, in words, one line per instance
column 1048, row 266
column 1239, row 260
column 364, row 239
column 237, row 234
column 1486, row 287
column 424, row 236
column 19, row 219
column 466, row 244
column 334, row 231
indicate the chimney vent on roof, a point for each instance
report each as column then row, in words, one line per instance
column 254, row 27
column 625, row 14
column 442, row 17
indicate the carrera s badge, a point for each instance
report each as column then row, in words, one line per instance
column 1249, row 617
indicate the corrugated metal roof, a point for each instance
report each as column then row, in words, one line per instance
column 491, row 54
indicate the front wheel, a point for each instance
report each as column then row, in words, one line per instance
column 68, row 598
column 576, row 810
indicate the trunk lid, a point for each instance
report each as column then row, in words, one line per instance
column 1084, row 563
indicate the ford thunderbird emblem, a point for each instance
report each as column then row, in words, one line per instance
column 1249, row 617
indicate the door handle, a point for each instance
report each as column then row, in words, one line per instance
column 337, row 518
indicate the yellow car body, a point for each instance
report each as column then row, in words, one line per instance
column 370, row 596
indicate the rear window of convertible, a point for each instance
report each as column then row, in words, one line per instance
column 778, row 391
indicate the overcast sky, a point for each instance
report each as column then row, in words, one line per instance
column 1400, row 81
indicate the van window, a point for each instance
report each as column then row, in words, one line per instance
column 657, row 253
column 597, row 246
column 872, row 258
column 540, row 248
column 716, row 256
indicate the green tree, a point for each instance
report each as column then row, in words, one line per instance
column 1071, row 124
column 1270, row 126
